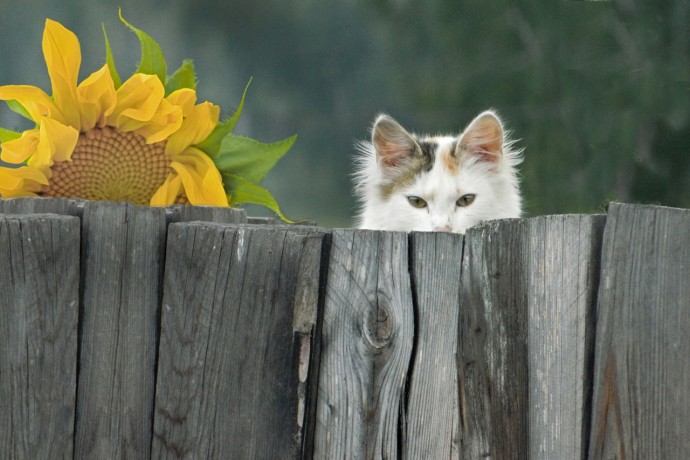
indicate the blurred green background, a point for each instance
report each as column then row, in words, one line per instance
column 597, row 92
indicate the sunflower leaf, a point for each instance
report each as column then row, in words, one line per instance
column 17, row 107
column 241, row 190
column 183, row 77
column 248, row 157
column 110, row 60
column 8, row 135
column 152, row 59
column 212, row 143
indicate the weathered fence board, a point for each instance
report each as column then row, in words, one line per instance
column 563, row 275
column 238, row 326
column 493, row 342
column 641, row 404
column 39, row 275
column 367, row 340
column 432, row 425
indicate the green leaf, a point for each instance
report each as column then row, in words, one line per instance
column 152, row 59
column 110, row 60
column 250, row 158
column 241, row 190
column 183, row 77
column 211, row 144
column 16, row 107
column 8, row 135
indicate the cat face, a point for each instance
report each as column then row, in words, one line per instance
column 441, row 183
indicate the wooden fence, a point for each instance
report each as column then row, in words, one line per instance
column 136, row 332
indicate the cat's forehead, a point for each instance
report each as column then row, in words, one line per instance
column 443, row 151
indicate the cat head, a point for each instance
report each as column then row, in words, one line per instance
column 437, row 183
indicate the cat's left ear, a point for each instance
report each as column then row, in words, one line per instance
column 483, row 138
column 393, row 144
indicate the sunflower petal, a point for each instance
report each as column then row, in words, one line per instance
column 185, row 98
column 24, row 181
column 36, row 102
column 56, row 143
column 168, row 192
column 200, row 178
column 96, row 98
column 63, row 57
column 19, row 150
column 165, row 121
column 138, row 100
column 195, row 128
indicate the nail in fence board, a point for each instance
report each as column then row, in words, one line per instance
column 237, row 330
column 432, row 407
column 366, row 346
column 39, row 286
column 493, row 342
column 641, row 404
column 122, row 259
column 563, row 268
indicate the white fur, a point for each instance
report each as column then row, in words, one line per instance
column 495, row 185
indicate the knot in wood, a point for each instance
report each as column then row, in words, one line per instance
column 378, row 327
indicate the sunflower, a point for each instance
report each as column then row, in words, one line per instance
column 144, row 140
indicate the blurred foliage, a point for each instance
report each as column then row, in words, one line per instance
column 597, row 92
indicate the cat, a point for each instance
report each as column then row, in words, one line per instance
column 406, row 182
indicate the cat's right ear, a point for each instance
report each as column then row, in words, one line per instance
column 392, row 143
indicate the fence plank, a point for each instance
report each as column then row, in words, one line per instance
column 238, row 326
column 563, row 268
column 366, row 346
column 641, row 406
column 39, row 306
column 493, row 342
column 26, row 205
column 206, row 214
column 433, row 407
column 122, row 260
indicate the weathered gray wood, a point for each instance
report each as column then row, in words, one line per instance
column 39, row 307
column 206, row 214
column 26, row 205
column 122, row 261
column 493, row 342
column 366, row 346
column 563, row 274
column 641, row 404
column 433, row 406
column 237, row 334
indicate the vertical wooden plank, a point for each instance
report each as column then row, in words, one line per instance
column 39, row 307
column 366, row 346
column 238, row 328
column 206, row 214
column 493, row 342
column 563, row 267
column 641, row 404
column 26, row 205
column 433, row 406
column 122, row 260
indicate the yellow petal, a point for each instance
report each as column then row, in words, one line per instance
column 138, row 100
column 34, row 100
column 19, row 150
column 96, row 98
column 195, row 128
column 24, row 181
column 63, row 57
column 166, row 120
column 201, row 180
column 168, row 192
column 56, row 143
column 185, row 98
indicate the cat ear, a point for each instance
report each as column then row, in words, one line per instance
column 392, row 143
column 483, row 138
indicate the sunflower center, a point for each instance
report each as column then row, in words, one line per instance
column 109, row 164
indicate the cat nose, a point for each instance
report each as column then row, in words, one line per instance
column 445, row 228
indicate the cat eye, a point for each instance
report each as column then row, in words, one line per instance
column 416, row 202
column 465, row 200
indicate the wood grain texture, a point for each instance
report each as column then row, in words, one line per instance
column 367, row 343
column 238, row 326
column 641, row 404
column 563, row 268
column 122, row 261
column 493, row 342
column 26, row 205
column 432, row 402
column 39, row 307
column 187, row 213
